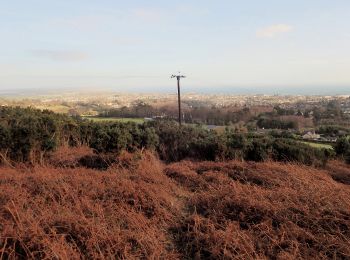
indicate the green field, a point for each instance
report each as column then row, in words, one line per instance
column 113, row 119
column 318, row 145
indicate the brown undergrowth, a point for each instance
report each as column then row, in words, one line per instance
column 262, row 210
column 142, row 208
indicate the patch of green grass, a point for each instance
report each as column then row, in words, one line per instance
column 318, row 145
column 115, row 119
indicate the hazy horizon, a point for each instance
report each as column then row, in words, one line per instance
column 293, row 91
column 272, row 47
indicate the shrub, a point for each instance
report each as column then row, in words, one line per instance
column 233, row 145
column 347, row 157
column 258, row 150
column 176, row 143
column 342, row 146
column 29, row 135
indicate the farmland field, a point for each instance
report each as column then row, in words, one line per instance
column 118, row 119
column 318, row 145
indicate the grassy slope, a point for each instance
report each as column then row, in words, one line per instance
column 143, row 208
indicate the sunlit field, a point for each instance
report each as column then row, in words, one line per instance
column 115, row 119
column 318, row 145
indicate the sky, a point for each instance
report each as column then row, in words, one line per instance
column 229, row 46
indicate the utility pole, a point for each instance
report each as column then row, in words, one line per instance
column 178, row 77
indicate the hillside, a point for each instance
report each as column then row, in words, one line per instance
column 142, row 208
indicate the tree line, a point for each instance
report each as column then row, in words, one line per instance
column 191, row 115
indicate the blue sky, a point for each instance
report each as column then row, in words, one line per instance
column 136, row 45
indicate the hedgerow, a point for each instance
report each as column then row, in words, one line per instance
column 30, row 135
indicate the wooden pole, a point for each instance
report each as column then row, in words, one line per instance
column 178, row 77
column 179, row 99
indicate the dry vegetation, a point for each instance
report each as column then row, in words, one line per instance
column 142, row 208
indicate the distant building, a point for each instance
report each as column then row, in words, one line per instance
column 311, row 136
column 330, row 139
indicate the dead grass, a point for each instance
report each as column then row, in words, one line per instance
column 73, row 213
column 339, row 171
column 68, row 157
column 262, row 210
column 141, row 208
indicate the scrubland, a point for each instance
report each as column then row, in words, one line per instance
column 140, row 207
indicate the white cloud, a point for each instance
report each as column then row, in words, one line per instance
column 60, row 55
column 273, row 30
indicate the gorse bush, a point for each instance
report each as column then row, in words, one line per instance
column 178, row 143
column 258, row 150
column 342, row 148
column 116, row 137
column 29, row 135
column 232, row 145
column 288, row 150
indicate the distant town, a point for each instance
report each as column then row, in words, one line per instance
column 320, row 119
column 91, row 103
